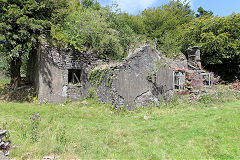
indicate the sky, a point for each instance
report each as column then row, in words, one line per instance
column 219, row 7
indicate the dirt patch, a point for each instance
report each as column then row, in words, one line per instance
column 22, row 94
column 2, row 156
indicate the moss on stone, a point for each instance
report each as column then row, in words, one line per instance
column 97, row 76
column 109, row 83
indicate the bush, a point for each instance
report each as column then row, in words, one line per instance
column 91, row 93
column 220, row 96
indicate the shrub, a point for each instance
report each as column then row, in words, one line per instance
column 91, row 93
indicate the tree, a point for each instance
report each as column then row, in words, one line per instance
column 220, row 42
column 92, row 28
column 21, row 24
column 84, row 4
column 161, row 24
column 203, row 12
column 4, row 65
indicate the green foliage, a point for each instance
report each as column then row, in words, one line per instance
column 97, row 29
column 166, row 18
column 149, row 77
column 96, row 76
column 61, row 136
column 109, row 82
column 4, row 64
column 219, row 39
column 34, row 127
column 4, row 81
column 84, row 4
column 203, row 12
column 161, row 25
column 86, row 26
column 135, row 22
column 21, row 24
column 126, row 35
column 172, row 100
column 66, row 101
column 206, row 99
column 91, row 93
column 222, row 95
column 22, row 21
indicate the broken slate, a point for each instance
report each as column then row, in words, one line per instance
column 3, row 145
column 2, row 133
column 51, row 157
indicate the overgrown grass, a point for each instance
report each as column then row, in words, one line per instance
column 4, row 81
column 207, row 128
column 94, row 131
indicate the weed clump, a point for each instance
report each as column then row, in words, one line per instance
column 220, row 96
column 91, row 94
column 34, row 127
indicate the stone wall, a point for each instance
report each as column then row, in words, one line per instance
column 48, row 70
column 137, row 81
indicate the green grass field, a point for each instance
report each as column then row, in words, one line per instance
column 93, row 131
column 206, row 129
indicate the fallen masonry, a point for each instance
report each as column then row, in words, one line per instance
column 3, row 145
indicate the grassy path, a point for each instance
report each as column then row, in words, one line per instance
column 93, row 131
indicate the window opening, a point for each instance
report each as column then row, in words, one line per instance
column 178, row 79
column 74, row 76
column 207, row 79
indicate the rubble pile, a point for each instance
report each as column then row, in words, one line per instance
column 4, row 145
column 235, row 85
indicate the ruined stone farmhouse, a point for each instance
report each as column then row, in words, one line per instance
column 60, row 74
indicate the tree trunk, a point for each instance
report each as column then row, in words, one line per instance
column 15, row 66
